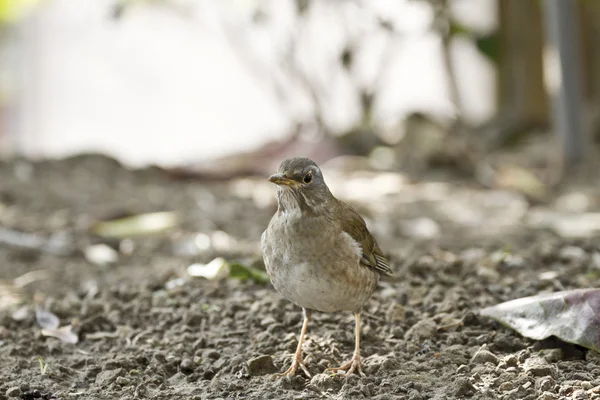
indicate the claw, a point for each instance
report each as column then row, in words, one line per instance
column 350, row 367
column 291, row 371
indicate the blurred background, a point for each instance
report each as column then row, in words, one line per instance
column 136, row 136
column 408, row 82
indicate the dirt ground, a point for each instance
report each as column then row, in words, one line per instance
column 149, row 331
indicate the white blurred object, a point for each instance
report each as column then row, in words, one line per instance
column 166, row 87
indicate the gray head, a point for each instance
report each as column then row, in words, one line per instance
column 301, row 185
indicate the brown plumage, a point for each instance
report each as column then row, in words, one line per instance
column 318, row 251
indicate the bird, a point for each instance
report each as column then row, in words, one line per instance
column 319, row 253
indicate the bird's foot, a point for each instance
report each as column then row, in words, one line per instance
column 291, row 371
column 351, row 366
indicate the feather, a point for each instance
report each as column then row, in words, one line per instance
column 355, row 226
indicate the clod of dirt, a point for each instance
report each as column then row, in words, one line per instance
column 123, row 381
column 463, row 369
column 580, row 395
column 105, row 378
column 548, row 396
column 462, row 387
column 187, row 365
column 424, row 329
column 484, row 356
column 325, row 382
column 14, row 391
column 506, row 386
column 545, row 384
column 538, row 366
column 261, row 365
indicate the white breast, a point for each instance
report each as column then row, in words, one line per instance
column 326, row 278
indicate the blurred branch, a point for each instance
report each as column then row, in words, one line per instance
column 442, row 25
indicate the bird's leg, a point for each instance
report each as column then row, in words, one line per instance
column 354, row 364
column 291, row 371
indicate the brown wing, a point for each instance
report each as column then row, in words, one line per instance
column 354, row 225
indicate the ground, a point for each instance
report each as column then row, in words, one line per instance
column 147, row 330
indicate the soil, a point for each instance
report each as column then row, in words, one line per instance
column 147, row 330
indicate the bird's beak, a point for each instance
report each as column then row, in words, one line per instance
column 280, row 179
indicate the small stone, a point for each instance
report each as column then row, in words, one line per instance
column 573, row 254
column 553, row 355
column 187, row 365
column 14, row 391
column 511, row 360
column 586, row 385
column 538, row 367
column 579, row 394
column 484, row 356
column 414, row 395
column 325, row 382
column 200, row 343
column 123, row 381
column 462, row 387
column 424, row 329
column 463, row 369
column 548, row 396
column 545, row 384
column 506, row 386
column 208, row 374
column 261, row 365
column 267, row 321
column 211, row 354
column 105, row 378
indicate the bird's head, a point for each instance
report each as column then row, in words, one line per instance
column 301, row 183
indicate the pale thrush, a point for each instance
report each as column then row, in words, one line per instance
column 319, row 253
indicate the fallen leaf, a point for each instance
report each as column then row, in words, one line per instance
column 64, row 333
column 219, row 268
column 572, row 316
column 243, row 272
column 212, row 270
column 136, row 225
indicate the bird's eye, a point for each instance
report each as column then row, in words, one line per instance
column 307, row 178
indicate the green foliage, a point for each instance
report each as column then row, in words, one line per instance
column 488, row 44
column 12, row 11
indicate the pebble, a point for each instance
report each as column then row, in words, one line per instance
column 538, row 366
column 123, row 381
column 573, row 253
column 484, row 356
column 424, row 329
column 511, row 360
column 261, row 365
column 187, row 365
column 586, row 385
column 463, row 369
column 105, row 378
column 553, row 355
column 462, row 387
column 267, row 321
column 14, row 391
column 548, row 396
column 211, row 354
column 325, row 382
column 544, row 384
column 506, row 386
